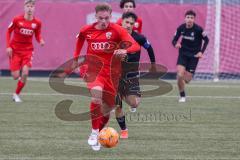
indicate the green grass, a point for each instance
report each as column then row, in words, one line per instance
column 206, row 127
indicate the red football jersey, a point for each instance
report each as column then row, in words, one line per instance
column 137, row 26
column 23, row 33
column 102, row 43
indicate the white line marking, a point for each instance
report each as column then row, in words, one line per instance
column 164, row 96
column 197, row 84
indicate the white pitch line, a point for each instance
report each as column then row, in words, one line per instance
column 196, row 84
column 163, row 96
column 191, row 85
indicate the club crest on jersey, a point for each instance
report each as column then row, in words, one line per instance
column 108, row 35
column 136, row 24
column 204, row 34
column 192, row 34
column 34, row 25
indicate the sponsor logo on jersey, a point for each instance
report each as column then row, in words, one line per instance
column 204, row 33
column 89, row 36
column 189, row 38
column 34, row 25
column 108, row 35
column 100, row 46
column 136, row 24
column 192, row 34
column 28, row 32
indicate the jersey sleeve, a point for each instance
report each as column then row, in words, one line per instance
column 38, row 31
column 79, row 44
column 140, row 26
column 176, row 36
column 205, row 39
column 147, row 45
column 10, row 29
column 126, row 37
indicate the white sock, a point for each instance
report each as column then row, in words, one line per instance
column 96, row 131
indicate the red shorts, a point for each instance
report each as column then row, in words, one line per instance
column 20, row 59
column 109, row 91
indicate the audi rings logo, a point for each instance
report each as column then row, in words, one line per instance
column 102, row 46
column 26, row 31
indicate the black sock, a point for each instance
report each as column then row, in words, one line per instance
column 182, row 94
column 121, row 122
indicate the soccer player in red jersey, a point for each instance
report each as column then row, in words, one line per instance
column 100, row 36
column 129, row 6
column 20, row 47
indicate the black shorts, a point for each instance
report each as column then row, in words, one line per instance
column 126, row 88
column 129, row 87
column 190, row 63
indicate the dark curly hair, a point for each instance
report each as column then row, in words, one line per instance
column 122, row 2
column 129, row 14
column 190, row 12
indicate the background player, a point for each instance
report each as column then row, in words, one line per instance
column 20, row 47
column 129, row 88
column 100, row 36
column 129, row 6
column 191, row 50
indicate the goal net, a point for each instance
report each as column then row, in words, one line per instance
column 222, row 58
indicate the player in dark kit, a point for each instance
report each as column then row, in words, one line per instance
column 191, row 49
column 129, row 88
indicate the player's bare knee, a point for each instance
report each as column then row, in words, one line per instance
column 15, row 76
column 180, row 75
column 96, row 100
column 96, row 93
column 188, row 80
column 134, row 102
column 25, row 74
column 188, row 77
column 24, row 77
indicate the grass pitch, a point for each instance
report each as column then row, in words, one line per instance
column 207, row 126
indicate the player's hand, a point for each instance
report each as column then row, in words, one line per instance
column 74, row 64
column 42, row 42
column 199, row 55
column 9, row 52
column 178, row 45
column 153, row 68
column 121, row 53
